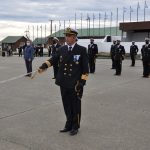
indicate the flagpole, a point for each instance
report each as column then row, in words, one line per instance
column 81, row 24
column 87, row 23
column 55, row 29
column 117, row 23
column 93, row 23
column 110, row 22
column 138, row 12
column 75, row 20
column 64, row 26
column 45, row 33
column 145, row 6
column 99, row 22
column 37, row 34
column 33, row 32
column 104, row 22
column 41, row 34
column 59, row 28
column 89, row 26
column 130, row 13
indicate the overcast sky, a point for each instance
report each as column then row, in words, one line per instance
column 16, row 15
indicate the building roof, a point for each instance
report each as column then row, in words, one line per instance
column 93, row 32
column 11, row 39
column 135, row 26
column 38, row 41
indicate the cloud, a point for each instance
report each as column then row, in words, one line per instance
column 27, row 12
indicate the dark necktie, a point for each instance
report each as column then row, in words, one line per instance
column 69, row 49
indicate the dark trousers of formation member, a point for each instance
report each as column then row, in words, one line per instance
column 146, row 68
column 92, row 60
column 29, row 67
column 113, row 62
column 118, row 66
column 133, row 60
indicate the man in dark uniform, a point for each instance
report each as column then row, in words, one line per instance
column 119, row 56
column 133, row 52
column 71, row 77
column 112, row 53
column 54, row 49
column 49, row 50
column 145, row 51
column 20, row 51
column 92, row 52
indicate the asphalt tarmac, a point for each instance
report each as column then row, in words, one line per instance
column 115, row 109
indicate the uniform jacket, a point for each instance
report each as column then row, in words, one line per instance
column 145, row 51
column 92, row 50
column 28, row 52
column 112, row 50
column 54, row 49
column 133, row 49
column 71, row 65
column 119, row 52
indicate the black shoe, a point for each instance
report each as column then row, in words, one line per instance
column 73, row 132
column 117, row 74
column 145, row 76
column 65, row 130
column 28, row 75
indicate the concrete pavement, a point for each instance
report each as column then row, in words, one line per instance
column 115, row 110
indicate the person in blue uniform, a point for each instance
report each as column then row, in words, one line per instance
column 71, row 77
column 112, row 53
column 119, row 57
column 133, row 52
column 92, row 53
column 145, row 51
column 54, row 49
column 28, row 52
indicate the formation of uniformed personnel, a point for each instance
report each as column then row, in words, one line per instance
column 145, row 51
column 71, row 77
column 92, row 53
column 118, row 57
column 133, row 52
column 112, row 54
column 54, row 49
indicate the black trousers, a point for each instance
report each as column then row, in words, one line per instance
column 113, row 62
column 55, row 69
column 72, row 107
column 92, row 64
column 28, row 66
column 118, row 64
column 133, row 60
column 146, row 68
column 20, row 53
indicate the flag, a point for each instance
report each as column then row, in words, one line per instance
column 145, row 5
